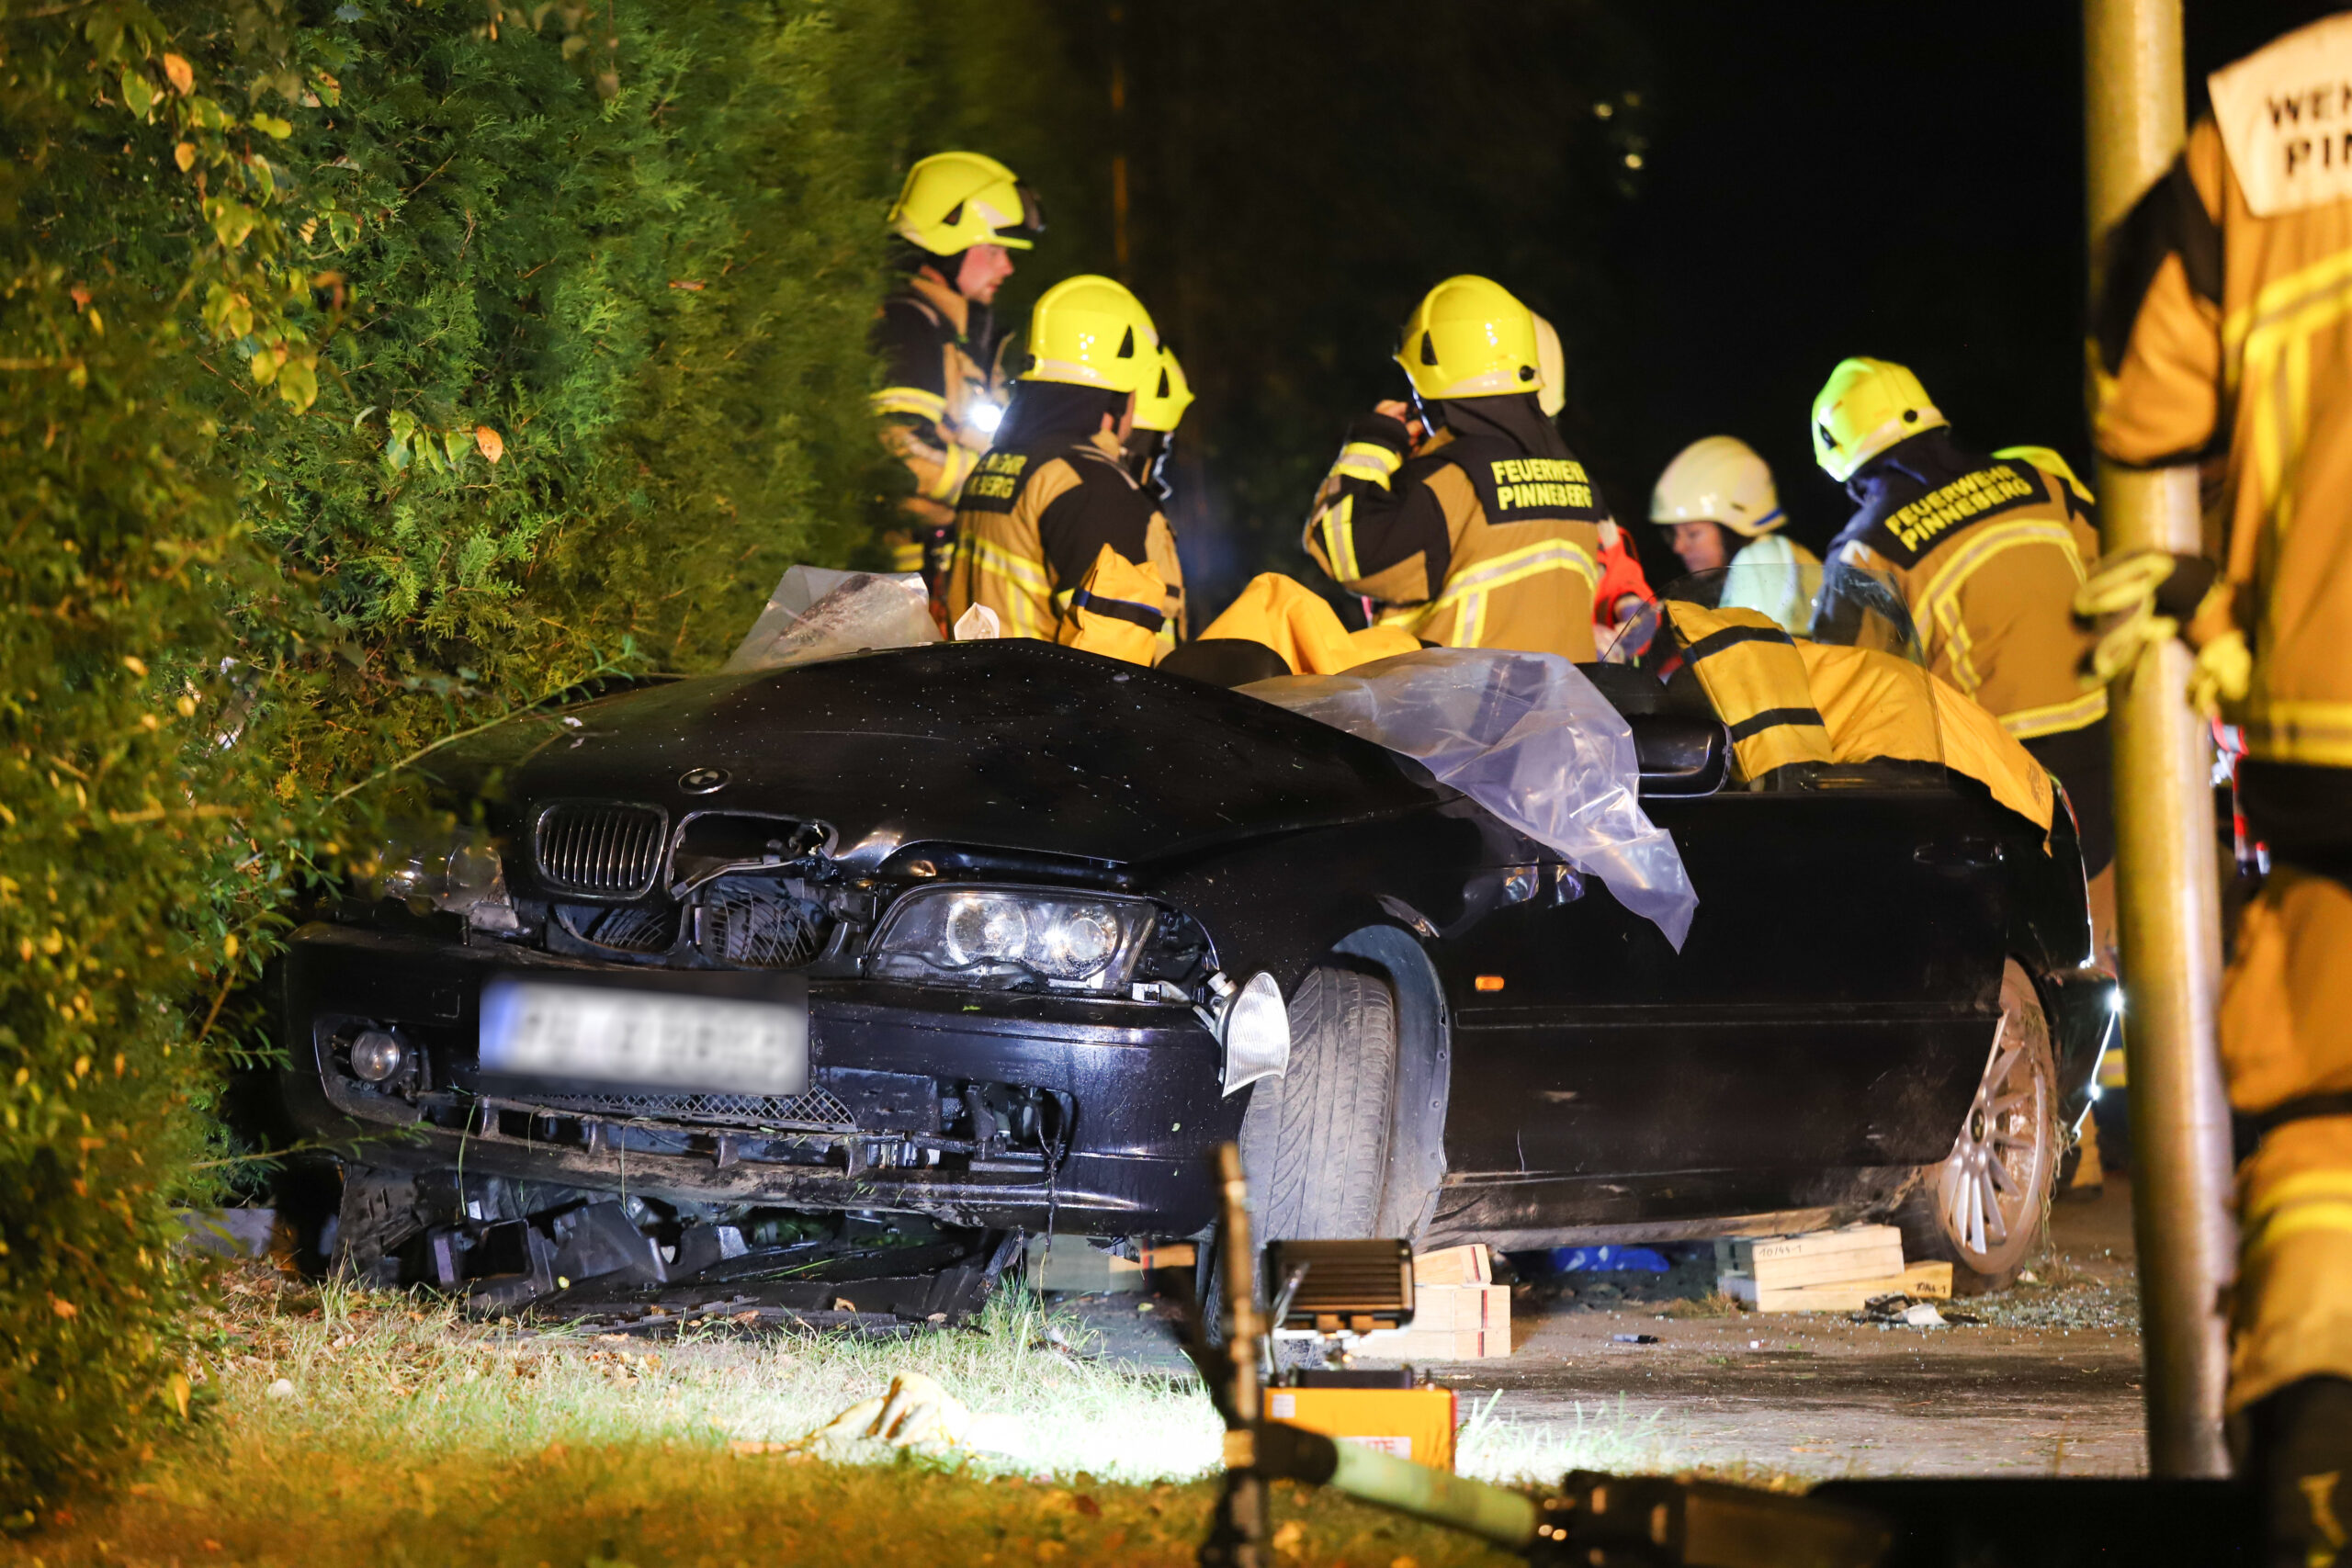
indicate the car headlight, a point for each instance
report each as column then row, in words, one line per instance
column 1005, row 937
column 457, row 871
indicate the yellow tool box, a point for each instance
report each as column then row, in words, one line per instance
column 1408, row 1423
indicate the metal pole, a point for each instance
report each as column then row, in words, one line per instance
column 2167, row 886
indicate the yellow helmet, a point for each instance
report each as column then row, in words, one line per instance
column 953, row 201
column 1090, row 331
column 2049, row 463
column 1551, row 370
column 1866, row 407
column 1162, row 403
column 1470, row 337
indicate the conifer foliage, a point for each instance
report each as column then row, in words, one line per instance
column 366, row 370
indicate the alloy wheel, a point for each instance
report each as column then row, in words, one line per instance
column 1990, row 1187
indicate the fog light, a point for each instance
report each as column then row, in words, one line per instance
column 1255, row 1030
column 378, row 1056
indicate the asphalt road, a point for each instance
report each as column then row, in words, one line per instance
column 2048, row 1384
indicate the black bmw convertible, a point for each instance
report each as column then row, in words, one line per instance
column 718, row 977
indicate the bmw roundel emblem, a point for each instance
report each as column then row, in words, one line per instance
column 703, row 781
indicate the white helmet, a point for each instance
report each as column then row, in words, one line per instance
column 1552, row 366
column 1718, row 480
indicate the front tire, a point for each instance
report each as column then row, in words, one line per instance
column 1985, row 1208
column 1314, row 1141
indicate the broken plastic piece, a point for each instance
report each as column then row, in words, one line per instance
column 816, row 615
column 1634, row 1339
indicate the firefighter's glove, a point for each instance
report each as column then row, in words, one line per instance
column 2225, row 670
column 2135, row 601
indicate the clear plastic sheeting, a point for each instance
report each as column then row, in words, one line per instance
column 816, row 613
column 1846, row 607
column 1527, row 736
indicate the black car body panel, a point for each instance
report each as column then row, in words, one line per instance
column 1011, row 746
column 1817, row 1038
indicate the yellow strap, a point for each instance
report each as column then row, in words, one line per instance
column 1516, row 566
column 1020, row 583
column 1941, row 595
column 1467, row 591
column 2301, row 1220
column 956, row 465
column 2309, row 1186
column 2056, row 718
column 2299, row 731
column 1368, row 460
column 2266, row 361
column 1339, row 525
column 914, row 400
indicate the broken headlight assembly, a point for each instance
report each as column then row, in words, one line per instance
column 455, row 870
column 1013, row 939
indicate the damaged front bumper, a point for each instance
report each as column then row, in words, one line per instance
column 987, row 1110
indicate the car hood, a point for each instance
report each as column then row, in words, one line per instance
column 1011, row 745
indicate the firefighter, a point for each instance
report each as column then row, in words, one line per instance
column 956, row 219
column 1464, row 516
column 2227, row 324
column 1987, row 554
column 1722, row 511
column 1159, row 409
column 1053, row 495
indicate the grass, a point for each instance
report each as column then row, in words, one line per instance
column 335, row 1428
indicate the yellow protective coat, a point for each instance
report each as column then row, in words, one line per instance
column 1878, row 705
column 1116, row 610
column 1756, row 679
column 2239, row 333
column 1296, row 622
column 1808, row 701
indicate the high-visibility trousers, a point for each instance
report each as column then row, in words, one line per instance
column 2286, row 1030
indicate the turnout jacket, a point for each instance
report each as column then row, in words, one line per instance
column 1987, row 555
column 2226, row 333
column 1476, row 541
column 940, row 355
column 1034, row 518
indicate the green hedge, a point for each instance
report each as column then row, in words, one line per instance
column 365, row 370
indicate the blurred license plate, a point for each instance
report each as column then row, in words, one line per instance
column 534, row 1029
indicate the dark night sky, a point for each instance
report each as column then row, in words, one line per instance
column 1840, row 178
column 1817, row 180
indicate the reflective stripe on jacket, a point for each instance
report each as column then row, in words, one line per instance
column 1470, row 543
column 1032, row 524
column 2222, row 328
column 1987, row 555
column 937, row 374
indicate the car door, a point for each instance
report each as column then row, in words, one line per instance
column 1830, row 1008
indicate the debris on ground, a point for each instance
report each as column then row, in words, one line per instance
column 1896, row 1309
column 917, row 1414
